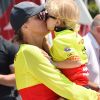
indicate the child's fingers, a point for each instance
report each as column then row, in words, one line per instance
column 98, row 96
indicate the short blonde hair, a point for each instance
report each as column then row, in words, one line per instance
column 66, row 10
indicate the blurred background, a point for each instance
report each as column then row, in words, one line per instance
column 93, row 7
column 89, row 8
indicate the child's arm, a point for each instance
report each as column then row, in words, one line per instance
column 69, row 63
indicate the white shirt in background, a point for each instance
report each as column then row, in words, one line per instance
column 93, row 52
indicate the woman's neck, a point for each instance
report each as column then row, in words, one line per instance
column 37, row 41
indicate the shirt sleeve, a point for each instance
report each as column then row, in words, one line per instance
column 47, row 74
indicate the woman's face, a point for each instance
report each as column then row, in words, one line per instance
column 34, row 27
column 37, row 25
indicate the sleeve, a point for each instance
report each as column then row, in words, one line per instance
column 47, row 74
column 63, row 48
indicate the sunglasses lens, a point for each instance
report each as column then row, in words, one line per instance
column 40, row 16
column 44, row 16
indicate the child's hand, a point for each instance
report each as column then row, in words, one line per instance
column 98, row 96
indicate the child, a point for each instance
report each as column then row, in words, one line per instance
column 68, row 49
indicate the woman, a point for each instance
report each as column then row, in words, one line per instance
column 35, row 75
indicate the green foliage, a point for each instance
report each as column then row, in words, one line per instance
column 93, row 9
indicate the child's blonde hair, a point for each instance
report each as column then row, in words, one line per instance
column 66, row 10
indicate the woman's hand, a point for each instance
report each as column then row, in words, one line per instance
column 61, row 98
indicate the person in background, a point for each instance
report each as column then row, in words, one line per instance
column 92, row 45
column 36, row 77
column 7, row 76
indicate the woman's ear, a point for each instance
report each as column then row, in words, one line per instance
column 24, row 27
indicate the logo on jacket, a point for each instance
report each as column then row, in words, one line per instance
column 67, row 49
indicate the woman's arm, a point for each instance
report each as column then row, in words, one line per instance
column 7, row 80
column 46, row 73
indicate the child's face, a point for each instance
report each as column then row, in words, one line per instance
column 51, row 23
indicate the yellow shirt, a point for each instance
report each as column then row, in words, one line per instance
column 68, row 44
column 32, row 68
